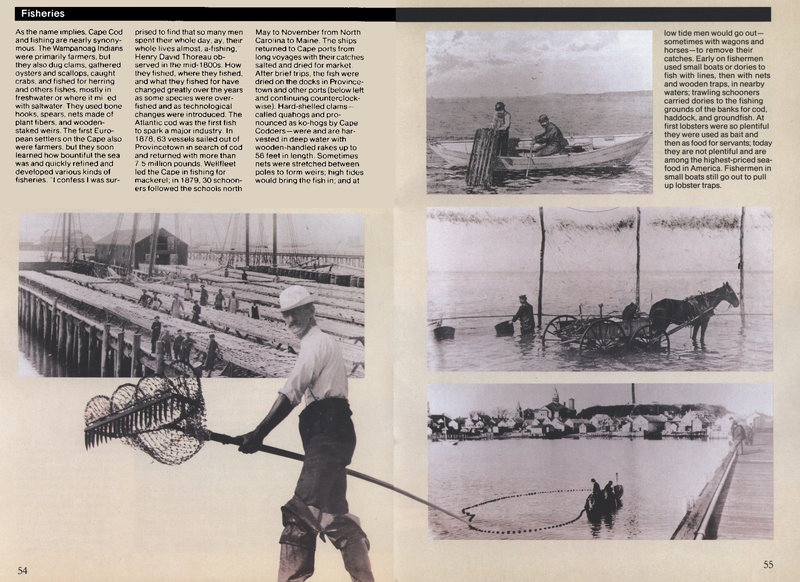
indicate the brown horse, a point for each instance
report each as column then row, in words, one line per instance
column 698, row 309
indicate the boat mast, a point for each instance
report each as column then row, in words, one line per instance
column 132, row 257
column 247, row 240
column 63, row 236
column 69, row 238
column 275, row 242
column 153, row 247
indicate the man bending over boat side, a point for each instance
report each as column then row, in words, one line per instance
column 551, row 141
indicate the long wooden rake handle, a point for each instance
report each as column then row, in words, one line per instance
column 230, row 440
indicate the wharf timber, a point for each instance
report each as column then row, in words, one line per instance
column 106, row 335
column 737, row 503
column 271, row 332
column 284, row 259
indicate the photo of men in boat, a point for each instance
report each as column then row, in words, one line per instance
column 581, row 103
column 601, row 461
column 89, row 287
column 679, row 289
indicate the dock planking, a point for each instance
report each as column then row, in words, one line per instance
column 746, row 507
column 261, row 361
column 272, row 332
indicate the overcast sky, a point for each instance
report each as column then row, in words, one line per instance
column 329, row 231
column 523, row 63
column 461, row 399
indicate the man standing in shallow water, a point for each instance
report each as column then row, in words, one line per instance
column 319, row 505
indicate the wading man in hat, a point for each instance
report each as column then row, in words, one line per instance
column 551, row 141
column 525, row 316
column 501, row 123
column 319, row 505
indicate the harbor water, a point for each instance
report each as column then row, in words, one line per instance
column 659, row 478
column 492, row 297
column 575, row 115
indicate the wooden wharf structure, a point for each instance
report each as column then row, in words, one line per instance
column 105, row 333
column 738, row 502
column 355, row 260
column 269, row 328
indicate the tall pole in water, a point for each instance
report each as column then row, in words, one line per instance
column 246, row 240
column 638, row 251
column 633, row 393
column 541, row 266
column 153, row 244
column 741, row 266
column 132, row 256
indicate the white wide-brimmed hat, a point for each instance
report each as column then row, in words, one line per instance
column 295, row 296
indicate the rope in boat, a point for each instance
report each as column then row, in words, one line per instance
column 471, row 515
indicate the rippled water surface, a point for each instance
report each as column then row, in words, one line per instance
column 659, row 478
column 473, row 303
column 604, row 114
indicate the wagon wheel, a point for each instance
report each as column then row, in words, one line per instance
column 603, row 336
column 555, row 330
column 650, row 339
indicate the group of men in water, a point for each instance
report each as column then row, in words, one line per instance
column 548, row 143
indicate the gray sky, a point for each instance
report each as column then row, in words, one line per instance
column 508, row 239
column 460, row 399
column 329, row 231
column 524, row 63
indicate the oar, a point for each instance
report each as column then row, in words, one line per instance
column 530, row 157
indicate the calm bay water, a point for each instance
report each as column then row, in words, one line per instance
column 659, row 477
column 603, row 114
column 473, row 303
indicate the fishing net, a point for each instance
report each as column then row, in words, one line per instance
column 164, row 417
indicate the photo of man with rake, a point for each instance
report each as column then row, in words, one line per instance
column 319, row 505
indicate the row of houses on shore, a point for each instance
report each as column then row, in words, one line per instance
column 557, row 420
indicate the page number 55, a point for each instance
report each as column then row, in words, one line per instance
column 768, row 564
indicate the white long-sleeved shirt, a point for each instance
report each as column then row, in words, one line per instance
column 319, row 372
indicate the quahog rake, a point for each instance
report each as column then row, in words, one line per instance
column 165, row 418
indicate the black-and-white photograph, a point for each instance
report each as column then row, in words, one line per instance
column 607, row 461
column 518, row 289
column 539, row 112
column 184, row 294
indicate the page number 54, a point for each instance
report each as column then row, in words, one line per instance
column 768, row 564
column 22, row 570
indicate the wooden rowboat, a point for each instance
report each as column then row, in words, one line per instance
column 583, row 152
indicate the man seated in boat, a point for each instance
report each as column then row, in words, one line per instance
column 501, row 123
column 551, row 141
column 597, row 493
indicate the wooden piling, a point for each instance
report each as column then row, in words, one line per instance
column 54, row 324
column 80, row 344
column 62, row 335
column 160, row 357
column 104, row 349
column 541, row 267
column 91, row 351
column 136, row 358
column 119, row 354
column 68, row 330
column 741, row 267
column 485, row 149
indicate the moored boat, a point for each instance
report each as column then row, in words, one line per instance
column 583, row 152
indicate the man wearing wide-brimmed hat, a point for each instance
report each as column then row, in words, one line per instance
column 551, row 141
column 319, row 505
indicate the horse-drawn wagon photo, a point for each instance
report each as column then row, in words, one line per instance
column 599, row 288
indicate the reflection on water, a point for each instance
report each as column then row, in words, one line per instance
column 659, row 477
column 730, row 343
column 38, row 360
